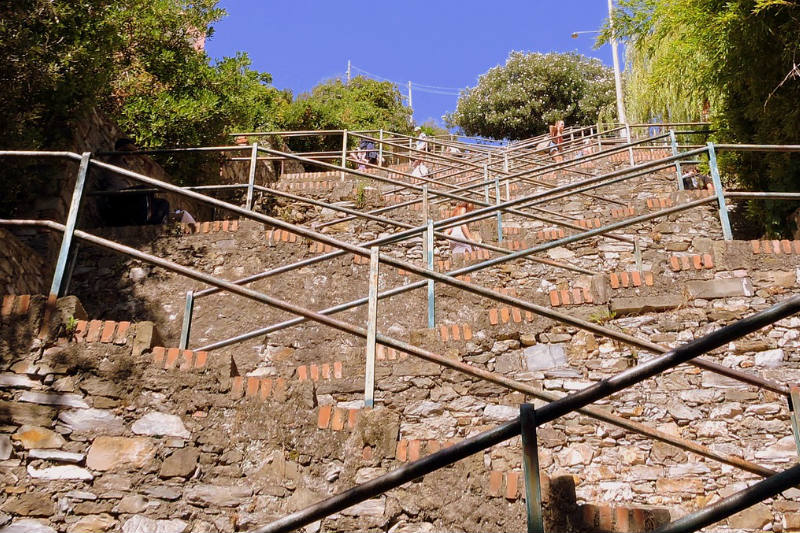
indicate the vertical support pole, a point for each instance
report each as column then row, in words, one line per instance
column 344, row 152
column 380, row 148
column 630, row 148
column 727, row 234
column 637, row 254
column 57, row 286
column 505, row 170
column 186, row 327
column 251, row 178
column 431, row 305
column 499, row 214
column 425, row 205
column 425, row 219
column 73, row 258
column 673, row 141
column 486, row 181
column 530, row 466
column 410, row 102
column 372, row 325
column 348, row 72
column 794, row 407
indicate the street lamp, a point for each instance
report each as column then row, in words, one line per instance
column 617, row 74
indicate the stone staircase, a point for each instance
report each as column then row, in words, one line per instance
column 118, row 429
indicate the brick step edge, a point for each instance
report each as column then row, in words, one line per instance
column 15, row 304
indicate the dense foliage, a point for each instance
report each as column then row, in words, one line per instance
column 738, row 59
column 362, row 104
column 137, row 61
column 519, row 99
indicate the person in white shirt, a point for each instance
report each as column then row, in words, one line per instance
column 422, row 145
column 419, row 171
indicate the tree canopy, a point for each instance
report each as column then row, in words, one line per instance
column 737, row 58
column 361, row 104
column 519, row 99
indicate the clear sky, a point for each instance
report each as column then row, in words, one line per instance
column 441, row 43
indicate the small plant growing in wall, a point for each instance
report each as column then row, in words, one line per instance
column 602, row 317
column 70, row 327
column 361, row 195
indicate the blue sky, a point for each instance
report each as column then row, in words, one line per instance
column 441, row 43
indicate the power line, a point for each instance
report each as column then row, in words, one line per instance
column 421, row 87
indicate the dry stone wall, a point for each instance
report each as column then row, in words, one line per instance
column 112, row 427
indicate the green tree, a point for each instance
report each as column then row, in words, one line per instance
column 362, row 104
column 739, row 58
column 519, row 99
column 137, row 61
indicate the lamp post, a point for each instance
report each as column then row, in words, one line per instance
column 617, row 74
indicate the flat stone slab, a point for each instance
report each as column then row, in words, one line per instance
column 114, row 453
column 142, row 524
column 26, row 414
column 57, row 456
column 545, row 356
column 27, row 526
column 60, row 472
column 95, row 421
column 645, row 304
column 217, row 496
column 161, row 424
column 54, row 398
column 720, row 288
column 17, row 381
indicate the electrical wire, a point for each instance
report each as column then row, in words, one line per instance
column 420, row 87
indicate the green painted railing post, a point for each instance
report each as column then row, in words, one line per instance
column 251, row 178
column 344, row 153
column 727, row 234
column 372, row 327
column 186, row 327
column 58, row 283
column 486, row 181
column 431, row 304
column 530, row 466
column 380, row 148
column 794, row 406
column 499, row 214
column 673, row 141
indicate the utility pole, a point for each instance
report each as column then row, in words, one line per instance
column 617, row 74
column 348, row 72
column 409, row 96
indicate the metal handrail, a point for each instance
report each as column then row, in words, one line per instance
column 544, row 414
column 352, row 329
column 413, row 350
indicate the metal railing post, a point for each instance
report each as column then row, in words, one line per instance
column 372, row 325
column 630, row 148
column 499, row 213
column 57, row 286
column 794, row 414
column 251, row 179
column 425, row 219
column 637, row 254
column 425, row 204
column 727, row 234
column 344, row 153
column 186, row 327
column 530, row 468
column 673, row 141
column 505, row 170
column 486, row 181
column 431, row 304
column 380, row 148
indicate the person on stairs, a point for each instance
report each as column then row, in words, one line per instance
column 462, row 231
